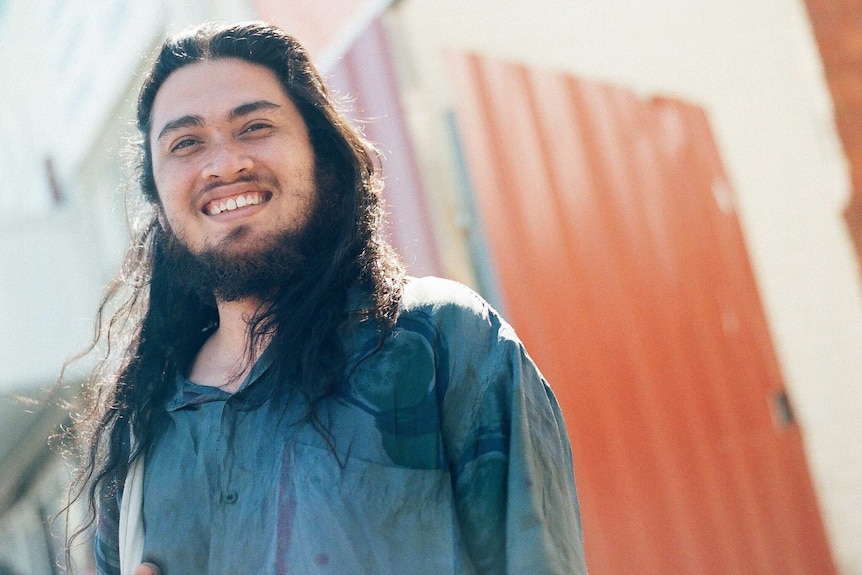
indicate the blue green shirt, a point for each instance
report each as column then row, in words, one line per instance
column 449, row 455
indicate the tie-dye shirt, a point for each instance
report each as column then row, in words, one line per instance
column 448, row 454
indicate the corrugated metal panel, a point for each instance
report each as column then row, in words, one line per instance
column 612, row 227
column 366, row 75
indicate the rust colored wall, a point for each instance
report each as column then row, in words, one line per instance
column 613, row 230
column 837, row 28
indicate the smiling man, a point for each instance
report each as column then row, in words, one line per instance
column 286, row 399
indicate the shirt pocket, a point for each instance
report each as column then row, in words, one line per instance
column 364, row 517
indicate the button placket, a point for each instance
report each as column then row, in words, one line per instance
column 228, row 493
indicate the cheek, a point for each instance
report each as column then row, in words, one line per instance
column 168, row 218
column 173, row 186
column 162, row 183
column 161, row 174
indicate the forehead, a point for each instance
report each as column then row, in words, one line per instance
column 211, row 88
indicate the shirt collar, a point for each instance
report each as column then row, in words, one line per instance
column 188, row 394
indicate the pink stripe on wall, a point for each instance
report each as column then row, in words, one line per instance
column 316, row 24
column 366, row 76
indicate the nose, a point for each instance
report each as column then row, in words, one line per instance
column 227, row 159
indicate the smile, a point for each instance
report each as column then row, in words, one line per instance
column 220, row 205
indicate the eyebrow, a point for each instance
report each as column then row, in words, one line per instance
column 250, row 108
column 196, row 121
column 180, row 123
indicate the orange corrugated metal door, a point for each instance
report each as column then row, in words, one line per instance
column 612, row 228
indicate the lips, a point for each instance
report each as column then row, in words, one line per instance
column 231, row 203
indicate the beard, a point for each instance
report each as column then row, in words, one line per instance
column 230, row 275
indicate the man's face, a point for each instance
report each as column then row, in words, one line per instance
column 232, row 160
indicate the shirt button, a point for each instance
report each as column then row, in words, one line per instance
column 229, row 496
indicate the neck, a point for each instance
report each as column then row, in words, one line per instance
column 234, row 318
column 224, row 359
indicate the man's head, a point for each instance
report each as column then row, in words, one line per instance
column 268, row 47
column 244, row 155
column 230, row 156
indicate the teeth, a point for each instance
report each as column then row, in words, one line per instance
column 230, row 204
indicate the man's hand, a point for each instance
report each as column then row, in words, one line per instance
column 147, row 569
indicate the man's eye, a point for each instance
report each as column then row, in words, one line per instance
column 256, row 127
column 184, row 143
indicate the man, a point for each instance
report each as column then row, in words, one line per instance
column 286, row 399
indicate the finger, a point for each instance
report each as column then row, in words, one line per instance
column 147, row 569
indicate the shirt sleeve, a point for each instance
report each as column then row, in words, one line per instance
column 106, row 542
column 509, row 453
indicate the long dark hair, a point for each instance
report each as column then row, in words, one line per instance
column 150, row 327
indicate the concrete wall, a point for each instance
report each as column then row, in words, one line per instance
column 755, row 69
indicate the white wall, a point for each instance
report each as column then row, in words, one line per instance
column 47, row 297
column 71, row 61
column 754, row 67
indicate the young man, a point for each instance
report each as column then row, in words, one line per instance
column 287, row 400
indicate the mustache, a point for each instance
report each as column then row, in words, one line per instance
column 250, row 178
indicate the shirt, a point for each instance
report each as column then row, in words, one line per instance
column 446, row 452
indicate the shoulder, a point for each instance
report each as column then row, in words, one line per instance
column 446, row 302
column 454, row 313
column 432, row 292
